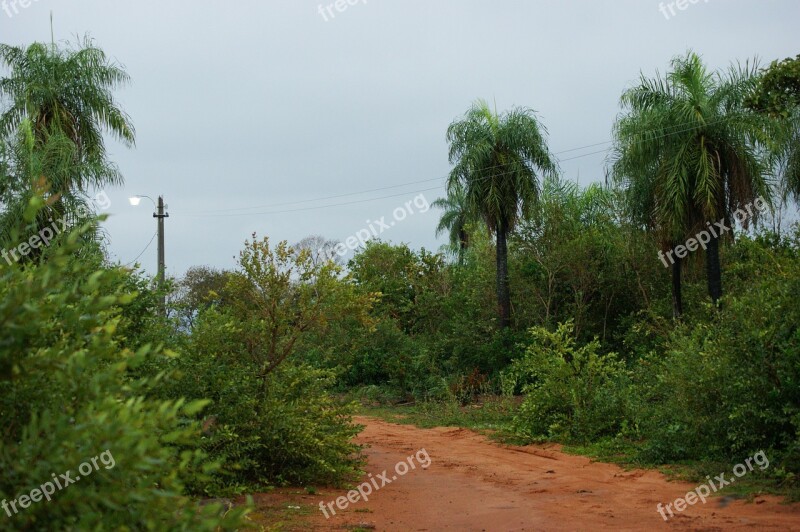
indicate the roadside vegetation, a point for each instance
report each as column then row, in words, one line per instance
column 549, row 317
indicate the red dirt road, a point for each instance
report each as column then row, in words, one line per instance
column 474, row 484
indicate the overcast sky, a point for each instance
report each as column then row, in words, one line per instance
column 246, row 110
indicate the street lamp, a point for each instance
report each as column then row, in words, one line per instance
column 160, row 214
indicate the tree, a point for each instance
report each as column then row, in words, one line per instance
column 281, row 296
column 391, row 271
column 66, row 92
column 65, row 318
column 691, row 154
column 573, row 262
column 202, row 287
column 496, row 159
column 320, row 248
column 454, row 221
column 778, row 95
column 778, row 88
column 31, row 171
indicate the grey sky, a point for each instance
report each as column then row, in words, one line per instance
column 241, row 104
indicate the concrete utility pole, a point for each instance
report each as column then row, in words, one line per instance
column 161, row 262
column 160, row 215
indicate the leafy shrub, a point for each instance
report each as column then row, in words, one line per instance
column 286, row 428
column 729, row 384
column 571, row 393
column 66, row 396
column 272, row 418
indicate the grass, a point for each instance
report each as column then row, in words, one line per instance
column 772, row 480
column 489, row 415
column 283, row 509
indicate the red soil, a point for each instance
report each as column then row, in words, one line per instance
column 474, row 484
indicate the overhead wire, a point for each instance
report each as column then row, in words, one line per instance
column 142, row 253
column 218, row 212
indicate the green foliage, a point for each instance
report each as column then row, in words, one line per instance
column 66, row 396
column 778, row 94
column 778, row 88
column 272, row 418
column 576, row 261
column 69, row 88
column 239, row 386
column 495, row 159
column 43, row 171
column 286, row 428
column 282, row 295
column 391, row 272
column 59, row 104
column 384, row 356
column 201, row 288
column 689, row 149
column 730, row 384
column 571, row 393
column 455, row 221
column 467, row 337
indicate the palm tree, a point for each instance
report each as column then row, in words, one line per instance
column 66, row 92
column 691, row 153
column 31, row 169
column 454, row 220
column 495, row 160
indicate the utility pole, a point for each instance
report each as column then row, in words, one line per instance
column 160, row 215
column 161, row 262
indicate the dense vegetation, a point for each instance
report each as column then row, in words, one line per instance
column 549, row 294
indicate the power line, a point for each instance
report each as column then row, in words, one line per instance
column 321, row 198
column 318, row 206
column 324, row 198
column 142, row 253
column 213, row 213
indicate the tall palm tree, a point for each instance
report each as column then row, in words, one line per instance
column 454, row 220
column 692, row 153
column 496, row 159
column 66, row 91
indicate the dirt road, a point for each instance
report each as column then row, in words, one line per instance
column 474, row 484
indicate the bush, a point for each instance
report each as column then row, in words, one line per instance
column 286, row 428
column 571, row 393
column 729, row 384
column 272, row 418
column 66, row 396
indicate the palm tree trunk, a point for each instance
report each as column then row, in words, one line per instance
column 463, row 244
column 503, row 292
column 463, row 240
column 677, row 301
column 714, row 270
